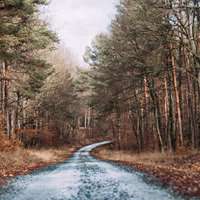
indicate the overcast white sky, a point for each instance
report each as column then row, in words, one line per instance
column 78, row 21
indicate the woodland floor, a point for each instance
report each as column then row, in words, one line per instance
column 22, row 161
column 180, row 172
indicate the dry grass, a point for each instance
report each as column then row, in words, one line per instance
column 21, row 161
column 51, row 154
column 15, row 160
column 133, row 157
column 147, row 158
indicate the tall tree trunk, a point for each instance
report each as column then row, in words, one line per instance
column 171, row 117
column 157, row 113
column 6, row 111
column 166, row 106
column 177, row 98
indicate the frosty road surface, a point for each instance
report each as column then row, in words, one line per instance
column 83, row 178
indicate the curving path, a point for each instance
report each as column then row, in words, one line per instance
column 84, row 178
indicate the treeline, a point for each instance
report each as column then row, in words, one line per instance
column 38, row 103
column 145, row 75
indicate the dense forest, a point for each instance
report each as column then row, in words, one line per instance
column 145, row 75
column 142, row 87
column 38, row 102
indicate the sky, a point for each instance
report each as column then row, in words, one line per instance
column 77, row 22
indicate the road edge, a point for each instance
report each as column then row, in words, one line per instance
column 163, row 176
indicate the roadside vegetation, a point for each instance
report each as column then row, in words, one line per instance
column 145, row 85
column 146, row 72
column 38, row 103
column 15, row 160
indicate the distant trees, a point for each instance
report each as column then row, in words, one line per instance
column 58, row 104
column 145, row 74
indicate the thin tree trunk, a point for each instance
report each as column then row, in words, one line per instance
column 171, row 118
column 157, row 114
column 178, row 110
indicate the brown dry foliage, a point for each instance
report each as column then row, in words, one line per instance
column 6, row 144
column 22, row 161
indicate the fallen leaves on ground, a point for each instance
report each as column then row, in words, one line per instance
column 179, row 172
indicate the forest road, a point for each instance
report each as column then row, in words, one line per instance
column 83, row 177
